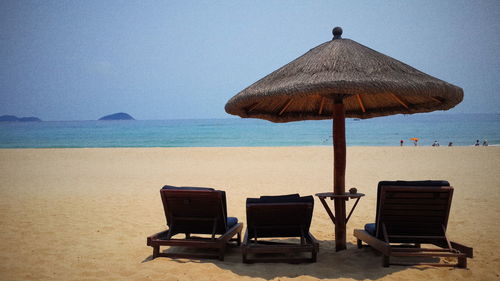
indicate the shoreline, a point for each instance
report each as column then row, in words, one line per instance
column 249, row 133
column 289, row 146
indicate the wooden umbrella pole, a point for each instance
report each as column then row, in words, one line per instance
column 339, row 164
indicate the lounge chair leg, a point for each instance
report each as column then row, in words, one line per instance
column 238, row 242
column 222, row 251
column 314, row 255
column 156, row 251
column 385, row 261
column 462, row 262
column 360, row 244
column 244, row 255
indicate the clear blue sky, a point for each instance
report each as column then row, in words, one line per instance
column 80, row 60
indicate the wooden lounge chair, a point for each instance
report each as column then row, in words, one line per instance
column 411, row 213
column 287, row 216
column 199, row 211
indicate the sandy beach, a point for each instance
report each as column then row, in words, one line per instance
column 84, row 214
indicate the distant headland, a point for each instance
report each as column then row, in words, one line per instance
column 117, row 116
column 12, row 118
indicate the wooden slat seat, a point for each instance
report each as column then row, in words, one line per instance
column 285, row 217
column 413, row 212
column 194, row 211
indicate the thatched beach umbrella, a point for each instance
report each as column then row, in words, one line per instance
column 338, row 79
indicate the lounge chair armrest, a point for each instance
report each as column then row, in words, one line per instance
column 156, row 236
column 231, row 232
column 245, row 238
column 468, row 251
column 374, row 242
column 313, row 240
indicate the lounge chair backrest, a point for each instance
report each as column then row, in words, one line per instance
column 194, row 210
column 413, row 209
column 279, row 216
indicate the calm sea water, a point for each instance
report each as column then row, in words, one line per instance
column 461, row 129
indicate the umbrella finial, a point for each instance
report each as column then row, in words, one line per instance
column 337, row 33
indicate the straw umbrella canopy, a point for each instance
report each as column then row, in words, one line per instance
column 338, row 79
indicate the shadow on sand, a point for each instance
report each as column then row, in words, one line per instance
column 358, row 264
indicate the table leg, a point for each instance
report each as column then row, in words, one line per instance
column 352, row 210
column 332, row 217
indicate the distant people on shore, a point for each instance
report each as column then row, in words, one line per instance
column 415, row 142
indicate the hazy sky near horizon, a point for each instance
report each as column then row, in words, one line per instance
column 80, row 60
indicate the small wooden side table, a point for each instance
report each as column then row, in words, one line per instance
column 347, row 196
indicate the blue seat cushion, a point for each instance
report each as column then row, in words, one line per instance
column 370, row 228
column 231, row 221
column 280, row 198
column 186, row 188
column 292, row 198
column 416, row 183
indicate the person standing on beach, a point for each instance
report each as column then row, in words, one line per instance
column 401, row 142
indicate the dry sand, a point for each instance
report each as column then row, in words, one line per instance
column 84, row 214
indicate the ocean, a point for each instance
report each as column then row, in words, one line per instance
column 460, row 129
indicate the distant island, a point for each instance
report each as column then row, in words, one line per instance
column 117, row 116
column 12, row 118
